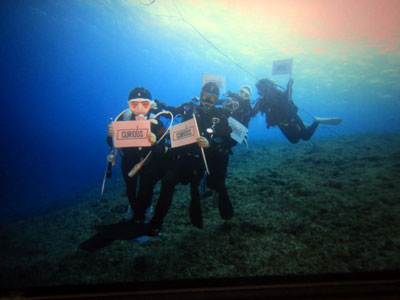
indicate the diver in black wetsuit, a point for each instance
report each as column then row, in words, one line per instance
column 187, row 164
column 280, row 110
column 239, row 105
column 140, row 199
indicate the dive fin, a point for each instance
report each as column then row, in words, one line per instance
column 106, row 234
column 196, row 216
column 96, row 242
column 225, row 205
column 328, row 121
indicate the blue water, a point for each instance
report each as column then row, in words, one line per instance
column 68, row 66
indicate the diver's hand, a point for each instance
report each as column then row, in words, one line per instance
column 152, row 138
column 203, row 142
column 110, row 130
column 159, row 105
column 231, row 94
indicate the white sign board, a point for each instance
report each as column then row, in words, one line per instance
column 218, row 79
column 283, row 66
column 239, row 131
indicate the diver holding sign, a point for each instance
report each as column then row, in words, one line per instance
column 187, row 164
column 279, row 109
column 135, row 133
column 142, row 136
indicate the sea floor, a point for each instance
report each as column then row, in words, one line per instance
column 330, row 205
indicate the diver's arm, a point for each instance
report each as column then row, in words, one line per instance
column 178, row 110
column 184, row 109
column 223, row 131
column 256, row 108
column 220, row 102
column 163, row 106
column 232, row 94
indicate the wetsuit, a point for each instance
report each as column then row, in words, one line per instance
column 187, row 166
column 244, row 111
column 280, row 110
column 150, row 173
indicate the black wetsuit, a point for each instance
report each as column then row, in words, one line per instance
column 244, row 111
column 150, row 173
column 280, row 110
column 187, row 165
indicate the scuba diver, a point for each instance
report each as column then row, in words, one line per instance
column 139, row 210
column 140, row 108
column 239, row 104
column 280, row 110
column 187, row 163
column 184, row 165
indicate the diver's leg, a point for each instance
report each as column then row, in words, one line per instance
column 148, row 180
column 309, row 131
column 216, row 179
column 292, row 131
column 224, row 203
column 165, row 199
column 196, row 216
column 127, row 163
column 139, row 205
column 304, row 132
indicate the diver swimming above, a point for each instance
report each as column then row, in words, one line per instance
column 280, row 110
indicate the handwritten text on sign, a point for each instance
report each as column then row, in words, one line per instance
column 131, row 133
column 184, row 134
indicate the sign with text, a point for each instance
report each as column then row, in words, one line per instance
column 131, row 133
column 239, row 131
column 218, row 79
column 184, row 134
column 282, row 66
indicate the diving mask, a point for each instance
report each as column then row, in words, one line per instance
column 140, row 106
column 231, row 104
column 208, row 98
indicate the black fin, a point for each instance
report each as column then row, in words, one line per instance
column 119, row 231
column 96, row 242
column 225, row 206
column 196, row 216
